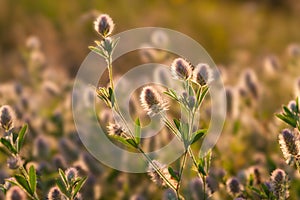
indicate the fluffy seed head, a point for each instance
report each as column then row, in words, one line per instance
column 7, row 117
column 152, row 101
column 155, row 177
column 289, row 144
column 181, row 69
column 293, row 106
column 233, row 186
column 71, row 174
column 115, row 129
column 279, row 184
column 15, row 193
column 202, row 74
column 104, row 25
column 13, row 162
column 55, row 194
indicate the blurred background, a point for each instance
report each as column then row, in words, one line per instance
column 42, row 44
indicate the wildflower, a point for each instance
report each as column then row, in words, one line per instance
column 233, row 186
column 289, row 144
column 15, row 193
column 71, row 174
column 293, row 50
column 33, row 43
column 160, row 38
column 78, row 197
column 271, row 65
column 41, row 147
column 152, row 101
column 13, row 162
column 202, row 75
column 257, row 176
column 251, row 84
column 156, row 178
column 279, row 184
column 7, row 117
column 232, row 100
column 115, row 129
column 104, row 25
column 293, row 106
column 181, row 69
column 55, row 194
column 197, row 190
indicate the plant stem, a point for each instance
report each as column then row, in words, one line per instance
column 181, row 172
column 157, row 169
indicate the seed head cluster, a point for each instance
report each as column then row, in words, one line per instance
column 152, row 102
column 289, row 144
column 104, row 25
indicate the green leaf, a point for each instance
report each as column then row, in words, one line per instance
column 8, row 145
column 2, row 188
column 98, row 51
column 287, row 120
column 60, row 184
column 132, row 142
column 21, row 136
column 32, row 178
column 173, row 173
column 201, row 169
column 111, row 96
column 265, row 189
column 23, row 183
column 78, row 186
column 177, row 123
column 288, row 112
column 197, row 135
column 202, row 95
column 137, row 130
column 114, row 44
column 63, row 177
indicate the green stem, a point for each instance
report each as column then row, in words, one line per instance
column 181, row 172
column 157, row 169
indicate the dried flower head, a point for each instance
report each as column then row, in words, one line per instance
column 233, row 186
column 15, row 193
column 181, row 69
column 289, row 144
column 279, row 184
column 152, row 102
column 104, row 25
column 202, row 74
column 156, row 178
column 71, row 174
column 7, row 117
column 55, row 194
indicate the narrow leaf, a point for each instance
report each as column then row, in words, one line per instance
column 173, row 173
column 132, row 142
column 197, row 135
column 8, row 145
column 23, row 183
column 21, row 136
column 63, row 177
column 177, row 123
column 60, row 184
column 137, row 130
column 32, row 178
column 79, row 186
